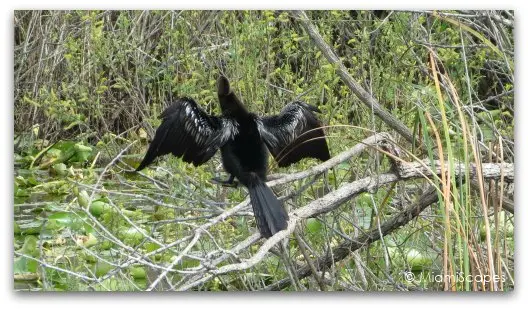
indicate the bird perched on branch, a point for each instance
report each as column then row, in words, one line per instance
column 244, row 139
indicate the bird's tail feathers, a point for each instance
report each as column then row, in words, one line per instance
column 269, row 213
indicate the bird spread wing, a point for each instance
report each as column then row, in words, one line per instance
column 294, row 134
column 190, row 133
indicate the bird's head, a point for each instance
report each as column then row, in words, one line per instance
column 229, row 102
column 223, row 86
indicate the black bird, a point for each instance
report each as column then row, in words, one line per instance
column 190, row 133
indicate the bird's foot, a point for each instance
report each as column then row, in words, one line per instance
column 231, row 182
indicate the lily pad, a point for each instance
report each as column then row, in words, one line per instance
column 313, row 225
column 86, row 240
column 418, row 260
column 30, row 246
column 63, row 219
column 59, row 169
column 16, row 229
column 31, row 228
column 82, row 153
column 138, row 272
column 83, row 198
column 131, row 236
column 99, row 207
column 101, row 268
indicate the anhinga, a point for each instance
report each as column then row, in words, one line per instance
column 190, row 133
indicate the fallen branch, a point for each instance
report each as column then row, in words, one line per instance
column 344, row 249
column 369, row 142
column 408, row 170
column 346, row 192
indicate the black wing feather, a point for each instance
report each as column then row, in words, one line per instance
column 190, row 133
column 294, row 134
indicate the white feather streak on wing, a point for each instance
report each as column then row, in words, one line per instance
column 196, row 125
column 291, row 129
column 229, row 130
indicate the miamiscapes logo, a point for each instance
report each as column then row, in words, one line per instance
column 457, row 277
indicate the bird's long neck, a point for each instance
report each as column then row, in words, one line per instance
column 231, row 105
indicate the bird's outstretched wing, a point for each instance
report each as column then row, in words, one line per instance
column 190, row 133
column 294, row 134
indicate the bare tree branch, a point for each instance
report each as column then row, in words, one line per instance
column 349, row 246
column 489, row 170
column 342, row 71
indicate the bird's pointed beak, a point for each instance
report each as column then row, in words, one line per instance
column 223, row 85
